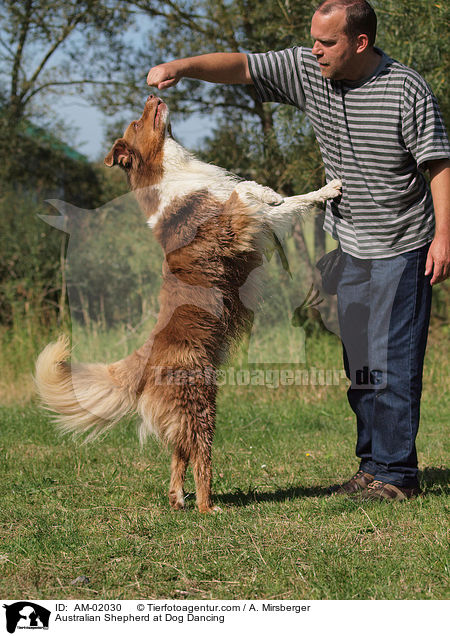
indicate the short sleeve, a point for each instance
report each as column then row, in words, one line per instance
column 424, row 131
column 276, row 76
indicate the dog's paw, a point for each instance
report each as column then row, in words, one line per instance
column 331, row 190
column 177, row 507
column 176, row 501
column 212, row 510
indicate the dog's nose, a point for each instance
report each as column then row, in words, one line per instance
column 150, row 97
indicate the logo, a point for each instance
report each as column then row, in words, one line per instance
column 26, row 615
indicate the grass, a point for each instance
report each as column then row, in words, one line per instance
column 100, row 510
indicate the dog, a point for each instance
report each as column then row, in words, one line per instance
column 213, row 228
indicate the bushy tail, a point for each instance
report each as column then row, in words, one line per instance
column 83, row 397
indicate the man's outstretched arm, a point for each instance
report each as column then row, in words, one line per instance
column 219, row 68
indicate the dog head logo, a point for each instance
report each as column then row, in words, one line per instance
column 26, row 615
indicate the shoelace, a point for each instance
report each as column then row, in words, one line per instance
column 374, row 484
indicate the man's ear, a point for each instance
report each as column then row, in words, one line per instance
column 121, row 153
column 362, row 42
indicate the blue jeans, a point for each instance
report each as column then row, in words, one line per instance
column 384, row 312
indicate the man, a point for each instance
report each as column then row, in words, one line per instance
column 378, row 127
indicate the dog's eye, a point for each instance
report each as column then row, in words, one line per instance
column 136, row 125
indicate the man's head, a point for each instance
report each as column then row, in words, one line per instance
column 344, row 34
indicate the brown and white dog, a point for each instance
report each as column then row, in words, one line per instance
column 213, row 228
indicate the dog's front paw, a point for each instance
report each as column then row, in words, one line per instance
column 331, row 190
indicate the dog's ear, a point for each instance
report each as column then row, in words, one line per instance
column 121, row 153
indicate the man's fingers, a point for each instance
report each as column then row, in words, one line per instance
column 162, row 76
column 438, row 273
column 167, row 84
column 161, row 82
column 429, row 265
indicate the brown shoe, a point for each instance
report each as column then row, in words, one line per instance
column 380, row 491
column 357, row 483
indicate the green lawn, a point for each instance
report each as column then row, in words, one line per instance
column 101, row 511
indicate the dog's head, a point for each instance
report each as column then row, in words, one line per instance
column 143, row 140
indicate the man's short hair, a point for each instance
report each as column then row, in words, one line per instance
column 361, row 18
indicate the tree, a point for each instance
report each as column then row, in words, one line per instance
column 40, row 46
column 415, row 32
column 51, row 45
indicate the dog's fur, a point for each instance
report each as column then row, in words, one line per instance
column 213, row 228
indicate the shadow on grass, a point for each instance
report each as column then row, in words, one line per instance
column 434, row 481
column 241, row 498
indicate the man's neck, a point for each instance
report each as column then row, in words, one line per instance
column 366, row 67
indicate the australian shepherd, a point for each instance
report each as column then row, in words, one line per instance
column 213, row 228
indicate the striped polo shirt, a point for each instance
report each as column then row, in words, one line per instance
column 374, row 135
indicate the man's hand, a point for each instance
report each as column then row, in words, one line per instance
column 164, row 75
column 438, row 260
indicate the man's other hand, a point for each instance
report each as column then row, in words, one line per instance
column 438, row 260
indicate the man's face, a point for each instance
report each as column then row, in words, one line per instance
column 334, row 51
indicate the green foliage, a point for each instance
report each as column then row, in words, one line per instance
column 40, row 164
column 415, row 32
column 32, row 254
column 29, row 259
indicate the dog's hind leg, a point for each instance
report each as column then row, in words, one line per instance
column 201, row 465
column 178, row 472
